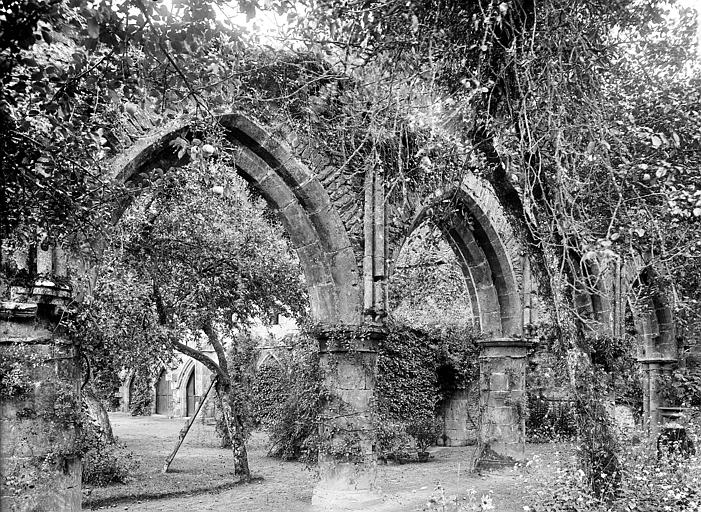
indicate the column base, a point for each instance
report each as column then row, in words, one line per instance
column 490, row 459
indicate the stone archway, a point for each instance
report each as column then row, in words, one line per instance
column 323, row 245
column 333, row 227
column 307, row 213
column 657, row 351
column 487, row 251
column 618, row 285
column 472, row 222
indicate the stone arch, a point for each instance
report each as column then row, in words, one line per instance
column 653, row 320
column 653, row 316
column 608, row 293
column 311, row 220
column 474, row 225
column 187, row 369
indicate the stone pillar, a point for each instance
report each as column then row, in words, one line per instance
column 39, row 463
column 653, row 370
column 347, row 456
column 502, row 430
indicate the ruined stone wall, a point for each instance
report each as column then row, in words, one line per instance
column 460, row 415
column 40, row 468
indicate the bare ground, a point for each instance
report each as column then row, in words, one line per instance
column 201, row 476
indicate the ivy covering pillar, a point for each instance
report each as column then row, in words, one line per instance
column 347, row 456
column 39, row 462
column 502, row 430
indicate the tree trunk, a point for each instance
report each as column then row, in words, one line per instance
column 234, row 427
column 98, row 412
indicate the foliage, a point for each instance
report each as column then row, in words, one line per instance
column 269, row 385
column 70, row 74
column 393, row 440
column 682, row 388
column 141, row 396
column 417, row 371
column 103, row 463
column 440, row 502
column 425, row 430
column 294, row 431
column 648, row 483
column 15, row 371
column 427, row 286
column 550, row 420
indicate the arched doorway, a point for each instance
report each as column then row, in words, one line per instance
column 163, row 394
column 190, row 395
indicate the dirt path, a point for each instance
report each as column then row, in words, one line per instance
column 287, row 486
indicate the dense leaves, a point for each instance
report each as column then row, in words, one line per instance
column 294, row 429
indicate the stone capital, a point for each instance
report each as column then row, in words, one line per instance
column 505, row 347
column 349, row 338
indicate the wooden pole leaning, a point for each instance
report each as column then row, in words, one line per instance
column 186, row 428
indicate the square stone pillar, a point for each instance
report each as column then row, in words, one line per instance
column 502, row 430
column 40, row 407
column 347, row 455
column 40, row 469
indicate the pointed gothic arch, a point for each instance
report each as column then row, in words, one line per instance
column 472, row 222
column 311, row 220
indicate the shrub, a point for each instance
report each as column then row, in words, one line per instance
column 393, row 441
column 104, row 463
column 269, row 388
column 424, row 431
column 294, row 433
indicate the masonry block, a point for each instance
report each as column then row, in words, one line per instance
column 276, row 191
column 314, row 265
column 502, row 433
column 255, row 168
column 298, row 225
column 322, row 300
column 498, row 382
column 331, row 231
column 313, row 197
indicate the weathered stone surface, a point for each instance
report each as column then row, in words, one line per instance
column 460, row 414
column 347, row 462
column 502, row 381
column 313, row 197
column 39, row 468
column 40, row 485
column 276, row 192
column 298, row 225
